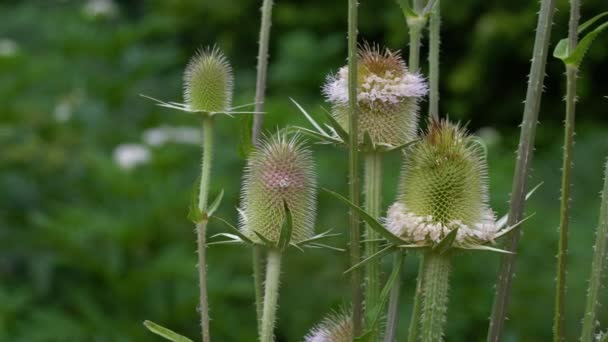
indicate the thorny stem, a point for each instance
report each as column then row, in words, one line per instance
column 373, row 195
column 562, row 253
column 597, row 267
column 271, row 295
column 436, row 285
column 201, row 227
column 392, row 317
column 353, row 158
column 522, row 167
column 434, row 42
column 260, row 92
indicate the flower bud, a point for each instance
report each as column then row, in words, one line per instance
column 337, row 327
column 387, row 95
column 280, row 171
column 443, row 187
column 208, row 82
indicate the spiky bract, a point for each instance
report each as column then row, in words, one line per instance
column 337, row 327
column 280, row 171
column 208, row 82
column 443, row 187
column 387, row 95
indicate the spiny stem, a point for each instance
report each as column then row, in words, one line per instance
column 373, row 195
column 436, row 286
column 522, row 167
column 353, row 158
column 260, row 93
column 434, row 42
column 392, row 316
column 271, row 295
column 562, row 253
column 412, row 334
column 598, row 266
column 203, row 196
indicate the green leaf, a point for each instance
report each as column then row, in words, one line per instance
column 264, row 239
column 325, row 139
column 561, row 50
column 166, row 333
column 407, row 10
column 372, row 222
column 286, row 229
column 401, row 147
column 378, row 255
column 576, row 57
column 234, row 229
column 445, row 243
column 309, row 118
column 390, row 282
column 215, row 204
column 245, row 141
column 335, row 125
column 319, row 237
column 584, row 26
column 194, row 213
column 485, row 248
column 364, row 337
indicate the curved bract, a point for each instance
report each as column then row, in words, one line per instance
column 280, row 172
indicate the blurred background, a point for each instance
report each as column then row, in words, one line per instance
column 95, row 180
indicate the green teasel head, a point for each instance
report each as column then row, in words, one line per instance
column 279, row 173
column 443, row 186
column 388, row 96
column 208, row 82
column 337, row 327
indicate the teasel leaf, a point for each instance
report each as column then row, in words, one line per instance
column 215, row 204
column 234, row 229
column 393, row 280
column 576, row 56
column 446, row 243
column 194, row 214
column 286, row 230
column 165, row 333
column 378, row 255
column 335, row 125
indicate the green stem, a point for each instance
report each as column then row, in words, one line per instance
column 436, row 286
column 392, row 317
column 597, row 267
column 271, row 295
column 260, row 94
column 201, row 227
column 434, row 42
column 415, row 26
column 373, row 195
column 562, row 252
column 522, row 168
column 412, row 334
column 353, row 168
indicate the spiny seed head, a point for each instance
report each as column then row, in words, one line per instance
column 443, row 187
column 208, row 82
column 280, row 171
column 387, row 95
column 337, row 327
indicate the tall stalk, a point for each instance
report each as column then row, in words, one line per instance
column 373, row 196
column 436, row 274
column 562, row 253
column 434, row 43
column 392, row 317
column 598, row 266
column 260, row 94
column 353, row 158
column 271, row 295
column 201, row 227
column 522, row 167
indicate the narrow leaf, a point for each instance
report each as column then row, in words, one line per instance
column 286, row 229
column 194, row 214
column 335, row 125
column 447, row 242
column 264, row 239
column 485, row 248
column 215, row 204
column 309, row 118
column 371, row 221
column 234, row 229
column 576, row 57
column 391, row 281
column 166, row 333
column 584, row 26
column 378, row 255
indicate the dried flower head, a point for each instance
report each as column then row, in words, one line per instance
column 443, row 187
column 337, row 327
column 280, row 171
column 208, row 82
column 387, row 95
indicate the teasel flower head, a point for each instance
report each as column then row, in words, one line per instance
column 337, row 327
column 443, row 188
column 279, row 173
column 388, row 95
column 208, row 82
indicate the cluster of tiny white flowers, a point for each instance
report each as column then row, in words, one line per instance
column 158, row 136
column 129, row 156
column 388, row 88
column 411, row 227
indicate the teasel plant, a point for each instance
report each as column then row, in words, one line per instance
column 208, row 92
column 278, row 208
column 442, row 207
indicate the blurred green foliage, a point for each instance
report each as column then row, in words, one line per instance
column 89, row 250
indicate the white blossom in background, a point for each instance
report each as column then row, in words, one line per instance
column 8, row 48
column 129, row 156
column 100, row 9
column 158, row 136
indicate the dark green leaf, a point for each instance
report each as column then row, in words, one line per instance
column 286, row 229
column 576, row 57
column 445, row 243
column 267, row 242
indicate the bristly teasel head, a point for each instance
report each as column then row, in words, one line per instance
column 387, row 94
column 443, row 187
column 280, row 171
column 337, row 327
column 208, row 82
